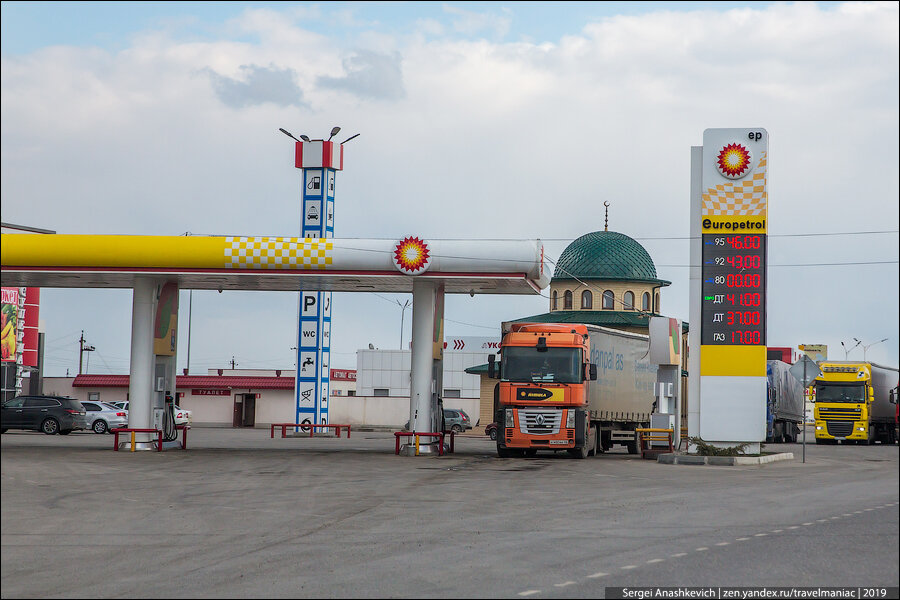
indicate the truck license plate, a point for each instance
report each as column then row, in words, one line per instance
column 564, row 442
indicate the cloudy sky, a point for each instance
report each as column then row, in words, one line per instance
column 477, row 120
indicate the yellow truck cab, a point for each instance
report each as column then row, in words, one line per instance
column 852, row 403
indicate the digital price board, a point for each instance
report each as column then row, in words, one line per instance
column 733, row 290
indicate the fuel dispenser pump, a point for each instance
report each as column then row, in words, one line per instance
column 168, row 424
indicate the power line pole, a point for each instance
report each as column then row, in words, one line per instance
column 82, row 348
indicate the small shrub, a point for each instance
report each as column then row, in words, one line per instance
column 704, row 449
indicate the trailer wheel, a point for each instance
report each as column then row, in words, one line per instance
column 632, row 447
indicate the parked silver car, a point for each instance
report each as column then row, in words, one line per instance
column 454, row 420
column 101, row 417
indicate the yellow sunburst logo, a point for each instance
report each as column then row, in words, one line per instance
column 411, row 255
column 733, row 161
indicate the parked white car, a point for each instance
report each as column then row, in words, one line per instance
column 182, row 416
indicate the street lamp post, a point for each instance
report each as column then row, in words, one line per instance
column 846, row 351
column 403, row 308
column 866, row 347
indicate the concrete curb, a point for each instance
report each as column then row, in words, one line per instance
column 722, row 461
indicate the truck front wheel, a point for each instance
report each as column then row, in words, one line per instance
column 580, row 452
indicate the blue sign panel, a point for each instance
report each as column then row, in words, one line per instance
column 314, row 312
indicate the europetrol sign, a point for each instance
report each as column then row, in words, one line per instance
column 733, row 228
column 732, row 219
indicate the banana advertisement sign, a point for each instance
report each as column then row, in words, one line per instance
column 9, row 318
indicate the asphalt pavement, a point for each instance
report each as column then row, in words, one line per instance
column 241, row 515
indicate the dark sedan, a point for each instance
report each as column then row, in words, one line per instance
column 49, row 414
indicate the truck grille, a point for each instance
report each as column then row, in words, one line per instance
column 839, row 428
column 539, row 421
column 841, row 414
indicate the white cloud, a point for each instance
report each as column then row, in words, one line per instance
column 469, row 22
column 258, row 85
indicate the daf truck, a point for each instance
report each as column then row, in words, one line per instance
column 571, row 387
column 853, row 403
column 784, row 403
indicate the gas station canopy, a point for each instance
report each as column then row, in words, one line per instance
column 274, row 263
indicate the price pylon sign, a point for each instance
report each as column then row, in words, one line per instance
column 733, row 225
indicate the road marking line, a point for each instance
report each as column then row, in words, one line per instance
column 826, row 520
column 701, row 549
column 808, row 524
column 760, row 534
column 868, row 509
column 847, row 515
column 679, row 554
column 794, row 527
column 655, row 560
column 741, row 539
column 777, row 530
column 630, row 567
column 835, row 518
column 564, row 584
column 857, row 512
column 596, row 575
column 529, row 592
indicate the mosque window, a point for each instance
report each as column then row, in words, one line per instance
column 645, row 301
column 608, row 300
column 553, row 301
column 629, row 300
column 567, row 300
column 587, row 300
column 656, row 303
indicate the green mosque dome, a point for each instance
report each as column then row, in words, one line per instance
column 606, row 255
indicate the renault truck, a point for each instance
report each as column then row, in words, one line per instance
column 853, row 403
column 571, row 387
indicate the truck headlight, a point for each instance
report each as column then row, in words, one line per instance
column 510, row 421
column 818, row 428
column 860, row 428
column 570, row 418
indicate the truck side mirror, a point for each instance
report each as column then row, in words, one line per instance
column 591, row 372
column 491, row 369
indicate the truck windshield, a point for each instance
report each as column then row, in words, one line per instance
column 555, row 365
column 840, row 392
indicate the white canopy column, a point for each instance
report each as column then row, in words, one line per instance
column 427, row 313
column 140, row 385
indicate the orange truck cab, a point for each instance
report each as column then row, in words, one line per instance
column 541, row 397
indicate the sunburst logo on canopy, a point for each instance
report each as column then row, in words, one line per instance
column 733, row 161
column 411, row 256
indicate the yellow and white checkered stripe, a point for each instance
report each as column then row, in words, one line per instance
column 277, row 253
column 740, row 198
